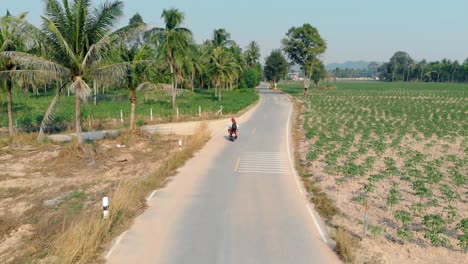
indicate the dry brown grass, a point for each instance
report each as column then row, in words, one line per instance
column 345, row 245
column 82, row 240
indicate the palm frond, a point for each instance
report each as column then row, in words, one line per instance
column 61, row 42
column 101, row 49
column 33, row 63
column 56, row 13
column 102, row 19
column 112, row 74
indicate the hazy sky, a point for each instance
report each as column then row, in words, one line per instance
column 353, row 29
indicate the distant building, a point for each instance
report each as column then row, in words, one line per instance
column 293, row 76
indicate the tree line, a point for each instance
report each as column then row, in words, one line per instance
column 401, row 67
column 76, row 48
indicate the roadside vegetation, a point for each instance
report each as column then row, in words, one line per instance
column 29, row 109
column 392, row 158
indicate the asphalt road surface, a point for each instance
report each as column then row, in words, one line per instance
column 234, row 202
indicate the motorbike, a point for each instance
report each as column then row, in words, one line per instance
column 233, row 134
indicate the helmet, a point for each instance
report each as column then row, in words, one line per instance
column 233, row 120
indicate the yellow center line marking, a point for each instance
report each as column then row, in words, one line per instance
column 236, row 167
column 254, row 130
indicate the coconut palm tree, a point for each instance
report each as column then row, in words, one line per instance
column 224, row 70
column 173, row 42
column 10, row 40
column 78, row 40
column 140, row 58
column 195, row 59
column 252, row 54
column 221, row 38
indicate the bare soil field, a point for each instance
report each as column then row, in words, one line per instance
column 44, row 187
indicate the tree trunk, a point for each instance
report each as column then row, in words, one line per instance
column 49, row 111
column 78, row 130
column 453, row 74
column 95, row 90
column 173, row 90
column 191, row 81
column 219, row 97
column 133, row 100
column 25, row 86
column 9, row 85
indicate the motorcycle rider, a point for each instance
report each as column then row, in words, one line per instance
column 233, row 128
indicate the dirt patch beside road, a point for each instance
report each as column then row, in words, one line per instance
column 44, row 187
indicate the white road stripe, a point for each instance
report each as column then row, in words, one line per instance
column 151, row 195
column 265, row 168
column 264, row 162
column 268, row 172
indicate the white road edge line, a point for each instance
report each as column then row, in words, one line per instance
column 151, row 195
column 117, row 242
column 311, row 213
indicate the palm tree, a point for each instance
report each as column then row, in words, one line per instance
column 240, row 59
column 10, row 40
column 224, row 70
column 194, row 62
column 252, row 54
column 78, row 40
column 221, row 38
column 173, row 43
column 139, row 58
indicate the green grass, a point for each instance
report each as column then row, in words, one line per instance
column 377, row 134
column 28, row 110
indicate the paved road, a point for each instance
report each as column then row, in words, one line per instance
column 235, row 202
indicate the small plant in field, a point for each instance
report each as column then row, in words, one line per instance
column 361, row 199
column 463, row 239
column 405, row 233
column 433, row 176
column 434, row 224
column 451, row 213
column 420, row 190
column 369, row 187
column 448, row 194
column 418, row 208
column 376, row 230
column 433, row 203
column 459, row 178
column 394, row 195
column 391, row 166
column 403, row 216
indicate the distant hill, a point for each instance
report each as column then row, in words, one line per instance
column 349, row 65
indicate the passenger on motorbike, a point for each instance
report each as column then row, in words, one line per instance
column 233, row 128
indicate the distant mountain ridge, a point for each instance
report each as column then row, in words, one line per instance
column 349, row 65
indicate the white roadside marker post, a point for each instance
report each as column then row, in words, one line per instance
column 105, row 207
column 151, row 114
column 121, row 116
